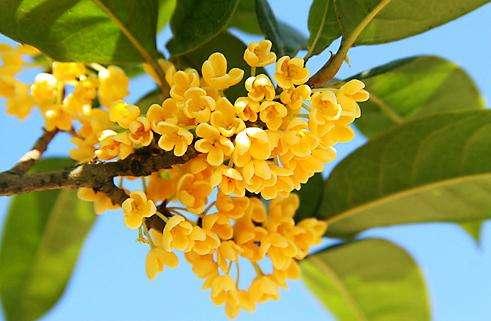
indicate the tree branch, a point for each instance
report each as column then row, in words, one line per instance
column 98, row 176
column 32, row 156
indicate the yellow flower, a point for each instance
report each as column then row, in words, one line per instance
column 203, row 265
column 256, row 174
column 231, row 207
column 101, row 201
column 220, row 225
column 310, row 232
column 136, row 208
column 113, row 85
column 84, row 151
column 179, row 234
column 123, row 113
column 114, row 145
column 68, row 71
column 140, row 133
column 86, row 90
column 193, row 193
column 157, row 259
column 260, row 88
column 182, row 81
column 324, row 107
column 349, row 94
column 293, row 98
column 45, row 90
column 7, row 86
column 225, row 119
column 213, row 144
column 272, row 113
column 291, row 72
column 298, row 139
column 163, row 184
column 263, row 289
column 208, row 245
column 256, row 210
column 280, row 250
column 198, row 105
column 229, row 180
column 258, row 54
column 228, row 251
column 222, row 289
column 11, row 59
column 56, row 116
column 21, row 104
column 199, row 167
column 251, row 143
column 214, row 71
column 174, row 138
column 168, row 112
column 246, row 109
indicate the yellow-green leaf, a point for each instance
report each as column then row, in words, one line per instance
column 431, row 169
column 368, row 280
column 414, row 87
column 331, row 19
column 103, row 31
column 42, row 237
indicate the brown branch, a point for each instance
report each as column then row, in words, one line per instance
column 98, row 176
column 32, row 156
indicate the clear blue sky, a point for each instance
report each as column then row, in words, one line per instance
column 109, row 282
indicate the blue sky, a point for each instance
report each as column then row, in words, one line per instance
column 109, row 281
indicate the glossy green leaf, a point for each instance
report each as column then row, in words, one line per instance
column 414, row 87
column 368, row 280
column 103, row 31
column 331, row 19
column 310, row 195
column 166, row 8
column 41, row 241
column 196, row 22
column 432, row 169
column 286, row 40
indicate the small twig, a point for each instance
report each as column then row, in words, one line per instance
column 332, row 66
column 32, row 156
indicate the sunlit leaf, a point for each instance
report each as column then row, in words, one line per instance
column 368, row 280
column 41, row 241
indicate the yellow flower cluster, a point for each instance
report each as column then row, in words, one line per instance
column 260, row 146
column 239, row 228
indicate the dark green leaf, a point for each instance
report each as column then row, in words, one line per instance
column 103, row 31
column 166, row 8
column 368, row 280
column 331, row 19
column 42, row 237
column 245, row 17
column 414, row 87
column 196, row 22
column 310, row 195
column 286, row 40
column 432, row 169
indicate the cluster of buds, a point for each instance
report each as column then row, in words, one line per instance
column 251, row 151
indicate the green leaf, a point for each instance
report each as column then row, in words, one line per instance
column 233, row 48
column 245, row 17
column 432, row 169
column 473, row 229
column 41, row 241
column 286, row 40
column 368, row 280
column 310, row 195
column 103, row 31
column 196, row 22
column 166, row 8
column 331, row 19
column 414, row 87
